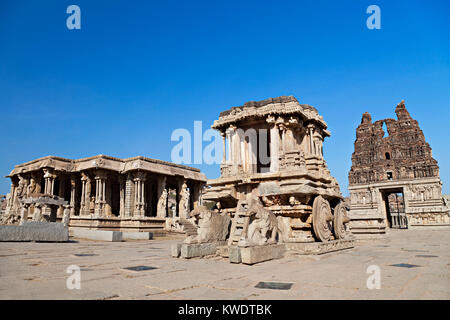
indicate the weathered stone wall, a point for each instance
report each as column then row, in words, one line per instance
column 399, row 160
column 402, row 154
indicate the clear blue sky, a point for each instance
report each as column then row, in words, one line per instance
column 137, row 70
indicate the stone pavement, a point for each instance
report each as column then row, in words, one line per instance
column 38, row 271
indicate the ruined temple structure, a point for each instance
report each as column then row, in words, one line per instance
column 105, row 192
column 394, row 180
column 274, row 178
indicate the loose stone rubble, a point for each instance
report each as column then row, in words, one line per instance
column 287, row 197
column 394, row 180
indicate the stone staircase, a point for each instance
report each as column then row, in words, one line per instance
column 188, row 227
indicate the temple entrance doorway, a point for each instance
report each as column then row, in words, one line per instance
column 394, row 204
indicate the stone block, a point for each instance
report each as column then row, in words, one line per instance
column 234, row 254
column 252, row 255
column 102, row 235
column 223, row 251
column 200, row 250
column 35, row 231
column 176, row 250
column 320, row 247
column 137, row 235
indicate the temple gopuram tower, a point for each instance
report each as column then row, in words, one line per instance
column 394, row 180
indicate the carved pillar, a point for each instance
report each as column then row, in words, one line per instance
column 100, row 193
column 61, row 192
column 224, row 150
column 235, row 148
column 311, row 142
column 274, row 144
column 139, row 193
column 129, row 195
column 73, row 190
column 161, row 208
column 122, row 180
column 85, row 194
column 228, row 137
column 107, row 191
column 49, row 181
column 182, row 199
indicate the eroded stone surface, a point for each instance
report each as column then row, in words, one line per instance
column 394, row 180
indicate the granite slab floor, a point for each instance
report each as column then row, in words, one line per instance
column 413, row 264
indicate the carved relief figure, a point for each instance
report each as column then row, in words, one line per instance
column 211, row 226
column 263, row 227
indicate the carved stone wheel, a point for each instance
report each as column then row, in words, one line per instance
column 340, row 220
column 322, row 219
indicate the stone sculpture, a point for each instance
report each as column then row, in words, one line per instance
column 211, row 226
column 263, row 226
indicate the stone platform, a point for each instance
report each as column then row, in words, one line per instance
column 319, row 247
column 35, row 231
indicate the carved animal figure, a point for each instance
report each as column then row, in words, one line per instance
column 212, row 226
column 263, row 228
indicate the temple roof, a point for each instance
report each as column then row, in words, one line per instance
column 109, row 163
column 279, row 105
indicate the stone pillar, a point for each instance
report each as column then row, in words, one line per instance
column 228, row 137
column 37, row 214
column 182, row 199
column 139, row 193
column 129, row 195
column 161, row 208
column 195, row 194
column 61, row 192
column 274, row 148
column 100, row 193
column 49, row 181
column 224, row 150
column 85, row 193
column 73, row 190
column 311, row 142
column 23, row 213
column 235, row 148
column 66, row 216
column 122, row 180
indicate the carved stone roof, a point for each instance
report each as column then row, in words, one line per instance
column 109, row 163
column 284, row 105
